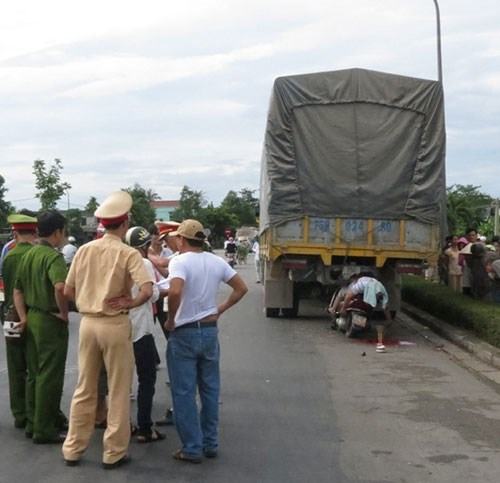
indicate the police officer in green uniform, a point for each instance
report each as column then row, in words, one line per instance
column 39, row 300
column 24, row 228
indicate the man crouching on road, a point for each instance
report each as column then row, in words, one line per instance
column 193, row 347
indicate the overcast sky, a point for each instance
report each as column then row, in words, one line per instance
column 171, row 93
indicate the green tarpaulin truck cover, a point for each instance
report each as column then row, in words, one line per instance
column 354, row 143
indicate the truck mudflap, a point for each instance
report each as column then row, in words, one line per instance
column 280, row 292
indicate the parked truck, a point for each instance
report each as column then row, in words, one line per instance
column 352, row 179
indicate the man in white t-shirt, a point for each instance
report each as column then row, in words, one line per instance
column 69, row 250
column 193, row 347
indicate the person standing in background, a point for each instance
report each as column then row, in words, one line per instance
column 454, row 269
column 40, row 302
column 25, row 230
column 256, row 254
column 69, row 250
column 471, row 236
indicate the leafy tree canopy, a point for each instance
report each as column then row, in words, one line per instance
column 48, row 183
column 74, row 218
column 237, row 209
column 468, row 207
column 5, row 207
column 91, row 206
column 142, row 212
column 217, row 219
column 191, row 205
column 243, row 205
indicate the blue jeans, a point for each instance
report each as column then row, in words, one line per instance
column 193, row 362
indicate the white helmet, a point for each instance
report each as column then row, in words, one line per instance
column 71, row 239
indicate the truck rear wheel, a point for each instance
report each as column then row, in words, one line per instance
column 272, row 312
column 290, row 313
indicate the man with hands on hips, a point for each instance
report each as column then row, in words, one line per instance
column 193, row 348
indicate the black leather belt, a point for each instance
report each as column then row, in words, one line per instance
column 197, row 325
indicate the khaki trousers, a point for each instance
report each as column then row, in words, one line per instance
column 103, row 340
column 455, row 282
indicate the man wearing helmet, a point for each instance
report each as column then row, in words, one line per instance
column 68, row 251
column 142, row 319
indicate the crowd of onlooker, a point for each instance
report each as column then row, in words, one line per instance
column 470, row 264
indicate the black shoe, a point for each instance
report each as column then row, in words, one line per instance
column 63, row 426
column 62, row 421
column 210, row 453
column 168, row 420
column 71, row 462
column 20, row 424
column 111, row 466
column 57, row 439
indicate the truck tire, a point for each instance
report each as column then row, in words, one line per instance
column 271, row 312
column 290, row 313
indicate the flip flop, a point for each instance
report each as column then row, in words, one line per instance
column 180, row 456
column 152, row 437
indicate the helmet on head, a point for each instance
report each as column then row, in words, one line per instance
column 137, row 237
column 71, row 239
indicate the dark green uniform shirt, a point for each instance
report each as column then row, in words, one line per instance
column 40, row 269
column 9, row 269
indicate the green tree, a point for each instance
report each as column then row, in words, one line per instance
column 467, row 207
column 243, row 205
column 48, row 183
column 218, row 219
column 191, row 205
column 152, row 195
column 247, row 196
column 75, row 220
column 5, row 207
column 143, row 214
column 91, row 206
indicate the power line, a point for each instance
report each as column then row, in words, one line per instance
column 23, row 199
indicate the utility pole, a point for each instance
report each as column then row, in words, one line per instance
column 438, row 31
column 496, row 209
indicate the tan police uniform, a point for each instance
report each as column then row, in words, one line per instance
column 101, row 270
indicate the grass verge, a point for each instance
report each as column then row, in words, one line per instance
column 483, row 318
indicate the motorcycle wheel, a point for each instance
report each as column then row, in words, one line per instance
column 350, row 331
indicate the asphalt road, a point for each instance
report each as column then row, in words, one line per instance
column 301, row 403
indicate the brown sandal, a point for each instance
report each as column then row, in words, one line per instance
column 180, row 456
